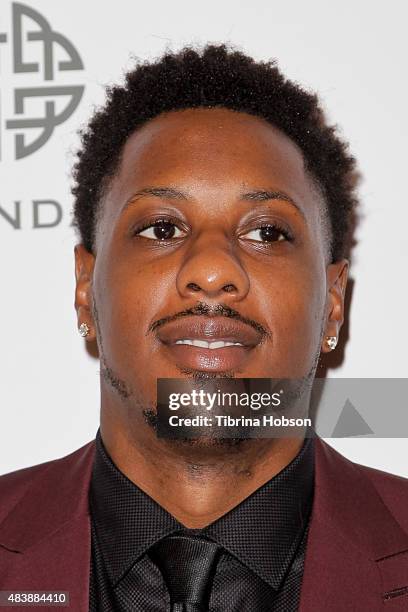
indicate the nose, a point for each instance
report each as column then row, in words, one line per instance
column 211, row 270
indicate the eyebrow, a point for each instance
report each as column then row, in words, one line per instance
column 259, row 195
column 158, row 192
column 265, row 195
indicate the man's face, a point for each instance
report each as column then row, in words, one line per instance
column 211, row 256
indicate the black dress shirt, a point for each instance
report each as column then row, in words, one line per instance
column 263, row 540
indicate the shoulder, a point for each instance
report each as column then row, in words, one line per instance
column 14, row 485
column 360, row 489
column 392, row 489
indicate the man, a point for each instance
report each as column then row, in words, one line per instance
column 215, row 208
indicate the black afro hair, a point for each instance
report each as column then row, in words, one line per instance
column 215, row 76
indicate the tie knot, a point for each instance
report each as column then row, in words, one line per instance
column 187, row 564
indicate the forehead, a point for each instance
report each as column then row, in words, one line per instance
column 212, row 153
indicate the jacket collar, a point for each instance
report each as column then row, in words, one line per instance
column 57, row 495
column 347, row 500
column 356, row 550
column 343, row 496
column 350, row 528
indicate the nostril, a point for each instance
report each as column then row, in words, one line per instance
column 193, row 287
column 229, row 288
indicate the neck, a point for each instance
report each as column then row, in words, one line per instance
column 195, row 482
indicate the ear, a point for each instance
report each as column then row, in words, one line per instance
column 336, row 278
column 84, row 266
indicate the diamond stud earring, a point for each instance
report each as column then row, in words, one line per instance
column 84, row 330
column 331, row 342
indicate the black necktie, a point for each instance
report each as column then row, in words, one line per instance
column 187, row 564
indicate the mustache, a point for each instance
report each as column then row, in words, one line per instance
column 218, row 310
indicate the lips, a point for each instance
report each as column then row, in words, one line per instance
column 204, row 343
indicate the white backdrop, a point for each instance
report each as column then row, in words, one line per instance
column 353, row 54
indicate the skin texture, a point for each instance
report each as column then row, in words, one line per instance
column 286, row 287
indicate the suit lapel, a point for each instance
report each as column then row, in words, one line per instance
column 356, row 550
column 46, row 536
column 351, row 533
column 60, row 562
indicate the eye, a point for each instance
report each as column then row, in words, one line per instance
column 268, row 233
column 160, row 230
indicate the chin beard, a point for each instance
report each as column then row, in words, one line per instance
column 150, row 417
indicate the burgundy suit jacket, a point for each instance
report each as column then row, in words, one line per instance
column 356, row 558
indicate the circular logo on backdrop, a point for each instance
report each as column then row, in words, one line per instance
column 31, row 111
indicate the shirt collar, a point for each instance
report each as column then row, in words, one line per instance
column 263, row 531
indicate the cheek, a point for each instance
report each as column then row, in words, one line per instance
column 129, row 298
column 293, row 299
